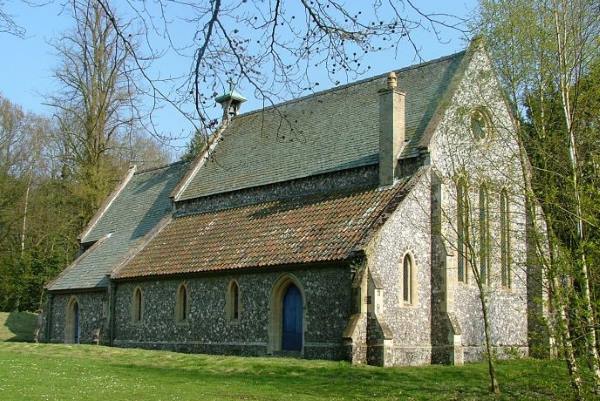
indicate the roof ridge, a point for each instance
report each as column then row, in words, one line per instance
column 162, row 166
column 350, row 84
column 143, row 242
column 199, row 160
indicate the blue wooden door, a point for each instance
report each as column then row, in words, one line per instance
column 291, row 336
column 76, row 331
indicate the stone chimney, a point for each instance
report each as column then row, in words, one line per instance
column 391, row 129
column 231, row 102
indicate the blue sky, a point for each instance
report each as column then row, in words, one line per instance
column 27, row 63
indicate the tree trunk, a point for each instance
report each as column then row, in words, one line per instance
column 587, row 312
column 561, row 323
column 562, row 326
column 25, row 211
column 494, row 386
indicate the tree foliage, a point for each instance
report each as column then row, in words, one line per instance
column 98, row 108
column 54, row 173
column 274, row 48
column 547, row 55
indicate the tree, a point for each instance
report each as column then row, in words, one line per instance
column 54, row 174
column 273, row 47
column 34, row 233
column 543, row 51
column 39, row 219
column 98, row 109
column 8, row 23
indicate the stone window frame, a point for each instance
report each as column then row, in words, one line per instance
column 233, row 315
column 485, row 242
column 182, row 303
column 505, row 241
column 69, row 321
column 463, row 225
column 412, row 280
column 137, row 305
column 278, row 291
column 482, row 115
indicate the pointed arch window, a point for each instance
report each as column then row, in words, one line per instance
column 408, row 280
column 480, row 123
column 484, row 236
column 505, row 239
column 462, row 228
column 181, row 304
column 233, row 301
column 137, row 304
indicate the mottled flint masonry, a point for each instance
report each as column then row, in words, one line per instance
column 406, row 232
column 208, row 330
column 354, row 310
column 345, row 180
column 495, row 161
column 92, row 309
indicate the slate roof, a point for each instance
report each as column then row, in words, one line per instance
column 136, row 210
column 327, row 131
column 318, row 228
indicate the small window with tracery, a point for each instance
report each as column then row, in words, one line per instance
column 480, row 124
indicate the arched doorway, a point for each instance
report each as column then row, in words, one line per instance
column 72, row 326
column 286, row 328
column 291, row 330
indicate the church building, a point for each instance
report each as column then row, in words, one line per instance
column 363, row 223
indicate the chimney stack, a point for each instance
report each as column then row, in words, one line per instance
column 391, row 129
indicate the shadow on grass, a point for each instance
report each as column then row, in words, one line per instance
column 20, row 325
column 343, row 380
column 156, row 375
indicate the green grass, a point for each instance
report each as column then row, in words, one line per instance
column 17, row 326
column 86, row 372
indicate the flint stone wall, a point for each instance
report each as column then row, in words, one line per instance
column 493, row 160
column 361, row 177
column 407, row 231
column 207, row 329
column 92, row 316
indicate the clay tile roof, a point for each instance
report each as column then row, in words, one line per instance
column 286, row 231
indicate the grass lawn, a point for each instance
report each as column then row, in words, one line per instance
column 86, row 372
column 17, row 326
